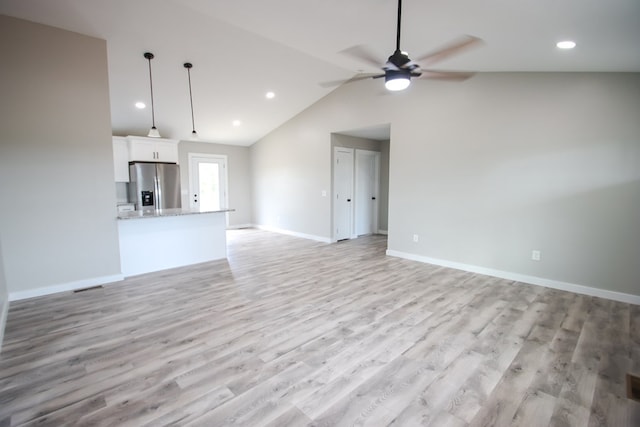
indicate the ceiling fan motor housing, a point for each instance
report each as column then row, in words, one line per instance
column 396, row 74
column 400, row 60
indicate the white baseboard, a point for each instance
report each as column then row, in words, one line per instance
column 4, row 311
column 385, row 232
column 294, row 233
column 533, row 280
column 239, row 226
column 63, row 287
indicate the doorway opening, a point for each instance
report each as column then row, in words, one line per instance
column 360, row 186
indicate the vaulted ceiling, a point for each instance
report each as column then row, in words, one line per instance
column 242, row 49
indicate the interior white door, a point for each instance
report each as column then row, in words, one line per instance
column 343, row 192
column 366, row 197
column 207, row 182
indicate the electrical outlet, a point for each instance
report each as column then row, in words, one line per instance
column 535, row 255
column 415, row 237
column 324, row 193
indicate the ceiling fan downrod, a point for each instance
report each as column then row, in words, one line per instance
column 398, row 27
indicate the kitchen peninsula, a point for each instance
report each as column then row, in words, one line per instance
column 153, row 240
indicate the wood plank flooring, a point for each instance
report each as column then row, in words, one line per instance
column 290, row 332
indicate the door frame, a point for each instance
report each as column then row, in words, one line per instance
column 376, row 188
column 224, row 175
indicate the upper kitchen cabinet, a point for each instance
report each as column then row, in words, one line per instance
column 121, row 159
column 152, row 150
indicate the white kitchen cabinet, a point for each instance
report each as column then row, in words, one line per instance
column 152, row 150
column 121, row 159
column 167, row 151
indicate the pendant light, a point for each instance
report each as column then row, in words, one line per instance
column 153, row 132
column 194, row 134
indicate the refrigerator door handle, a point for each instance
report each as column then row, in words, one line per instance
column 158, row 192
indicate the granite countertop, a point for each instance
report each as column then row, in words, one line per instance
column 166, row 212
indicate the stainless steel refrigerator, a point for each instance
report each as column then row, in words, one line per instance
column 154, row 185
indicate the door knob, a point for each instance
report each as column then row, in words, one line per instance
column 373, row 198
column 348, row 200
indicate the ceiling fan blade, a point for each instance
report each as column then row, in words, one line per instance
column 363, row 54
column 456, row 76
column 356, row 78
column 453, row 48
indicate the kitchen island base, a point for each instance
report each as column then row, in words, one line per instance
column 161, row 242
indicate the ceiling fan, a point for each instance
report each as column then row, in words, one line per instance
column 399, row 68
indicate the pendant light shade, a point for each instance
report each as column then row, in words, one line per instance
column 153, row 132
column 194, row 134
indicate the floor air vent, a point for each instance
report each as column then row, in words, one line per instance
column 87, row 289
column 633, row 387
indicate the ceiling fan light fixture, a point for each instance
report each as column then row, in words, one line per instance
column 396, row 80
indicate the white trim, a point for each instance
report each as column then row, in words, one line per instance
column 239, row 226
column 3, row 320
column 533, row 280
column 63, row 287
column 385, row 232
column 294, row 233
column 150, row 139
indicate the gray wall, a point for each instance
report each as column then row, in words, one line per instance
column 483, row 171
column 347, row 141
column 238, row 175
column 56, row 159
column 290, row 170
column 512, row 163
column 383, row 218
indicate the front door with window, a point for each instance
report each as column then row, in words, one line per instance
column 207, row 181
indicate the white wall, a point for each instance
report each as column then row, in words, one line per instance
column 57, row 221
column 483, row 171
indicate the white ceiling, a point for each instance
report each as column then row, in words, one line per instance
column 240, row 49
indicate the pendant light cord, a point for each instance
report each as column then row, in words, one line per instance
column 193, row 123
column 153, row 115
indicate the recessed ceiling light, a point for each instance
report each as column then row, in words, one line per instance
column 270, row 95
column 236, row 123
column 567, row 44
column 141, row 105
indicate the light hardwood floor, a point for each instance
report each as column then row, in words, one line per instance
column 290, row 332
